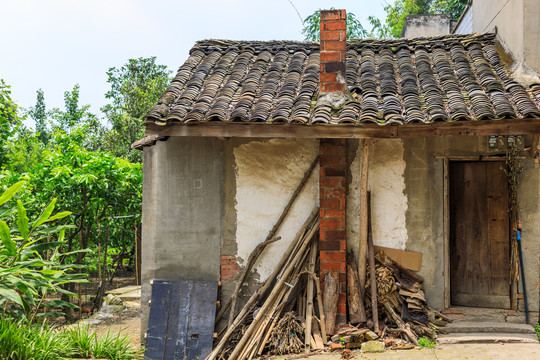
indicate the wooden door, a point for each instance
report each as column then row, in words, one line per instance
column 479, row 235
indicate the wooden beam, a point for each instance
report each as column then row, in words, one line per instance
column 363, row 241
column 261, row 130
column 534, row 145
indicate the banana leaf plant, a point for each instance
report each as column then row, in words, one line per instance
column 30, row 267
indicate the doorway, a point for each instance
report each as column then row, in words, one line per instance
column 479, row 240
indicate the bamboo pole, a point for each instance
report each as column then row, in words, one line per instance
column 309, row 290
column 262, row 312
column 373, row 281
column 267, row 284
column 362, row 246
column 253, row 257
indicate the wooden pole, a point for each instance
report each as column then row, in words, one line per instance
column 136, row 260
column 373, row 277
column 309, row 291
column 362, row 246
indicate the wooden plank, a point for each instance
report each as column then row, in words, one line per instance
column 173, row 318
column 446, row 230
column 460, row 128
column 201, row 320
column 409, row 259
column 157, row 321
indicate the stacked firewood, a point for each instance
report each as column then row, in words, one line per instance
column 401, row 302
column 275, row 318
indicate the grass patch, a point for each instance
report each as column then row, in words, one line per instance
column 426, row 342
column 22, row 340
column 537, row 329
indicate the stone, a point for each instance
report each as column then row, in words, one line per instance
column 370, row 335
column 112, row 300
column 373, row 346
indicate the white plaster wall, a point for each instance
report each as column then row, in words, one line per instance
column 388, row 200
column 267, row 174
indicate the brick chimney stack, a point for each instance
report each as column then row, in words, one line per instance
column 333, row 51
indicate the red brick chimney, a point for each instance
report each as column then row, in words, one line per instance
column 333, row 167
column 333, row 50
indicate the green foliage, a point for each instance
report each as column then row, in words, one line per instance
column 9, row 118
column 135, row 89
column 39, row 114
column 398, row 12
column 312, row 23
column 537, row 329
column 74, row 114
column 29, row 258
column 426, row 342
column 26, row 341
column 452, row 7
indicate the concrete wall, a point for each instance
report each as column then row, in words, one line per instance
column 426, row 25
column 182, row 212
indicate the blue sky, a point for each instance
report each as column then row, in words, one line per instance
column 55, row 44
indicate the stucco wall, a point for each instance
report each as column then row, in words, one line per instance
column 182, row 212
column 267, row 172
column 426, row 25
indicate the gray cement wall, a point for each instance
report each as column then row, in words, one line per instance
column 426, row 25
column 182, row 212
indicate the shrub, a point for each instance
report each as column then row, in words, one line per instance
column 30, row 266
column 426, row 342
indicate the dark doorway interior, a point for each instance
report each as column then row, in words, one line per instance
column 479, row 235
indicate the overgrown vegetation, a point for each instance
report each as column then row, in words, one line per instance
column 537, row 329
column 392, row 25
column 426, row 342
column 23, row 340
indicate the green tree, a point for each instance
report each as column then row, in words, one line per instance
column 39, row 114
column 398, row 12
column 135, row 88
column 74, row 114
column 312, row 26
column 9, row 119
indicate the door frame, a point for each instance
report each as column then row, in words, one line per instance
column 446, row 225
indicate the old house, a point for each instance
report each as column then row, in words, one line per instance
column 231, row 138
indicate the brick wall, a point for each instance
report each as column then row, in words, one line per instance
column 332, row 243
column 229, row 267
column 333, row 50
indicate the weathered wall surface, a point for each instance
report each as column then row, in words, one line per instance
column 267, row 172
column 516, row 23
column 182, row 212
column 426, row 25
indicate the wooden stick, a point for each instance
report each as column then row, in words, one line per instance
column 262, row 312
column 362, row 246
column 534, row 145
column 265, row 286
column 322, row 320
column 309, row 306
column 253, row 257
column 373, row 277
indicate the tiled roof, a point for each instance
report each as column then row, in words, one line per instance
column 446, row 78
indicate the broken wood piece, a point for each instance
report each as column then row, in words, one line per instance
column 309, row 296
column 357, row 313
column 319, row 344
column 330, row 299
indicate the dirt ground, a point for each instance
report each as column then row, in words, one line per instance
column 127, row 322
